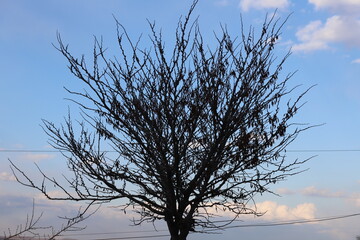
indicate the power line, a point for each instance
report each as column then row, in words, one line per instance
column 40, row 151
column 133, row 237
column 59, row 151
column 324, row 150
column 294, row 221
column 270, row 224
column 108, row 233
column 139, row 231
column 28, row 151
column 227, row 227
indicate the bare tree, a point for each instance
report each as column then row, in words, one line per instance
column 192, row 130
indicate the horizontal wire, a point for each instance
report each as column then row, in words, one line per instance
column 324, row 150
column 295, row 221
column 108, row 233
column 28, row 150
column 228, row 227
column 59, row 151
column 270, row 224
column 133, row 237
column 139, row 231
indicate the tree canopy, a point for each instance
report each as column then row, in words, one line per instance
column 192, row 129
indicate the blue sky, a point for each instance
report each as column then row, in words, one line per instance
column 324, row 36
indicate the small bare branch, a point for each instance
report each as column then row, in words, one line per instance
column 32, row 228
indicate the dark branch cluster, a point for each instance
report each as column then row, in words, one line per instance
column 194, row 128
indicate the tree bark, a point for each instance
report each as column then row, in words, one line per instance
column 178, row 231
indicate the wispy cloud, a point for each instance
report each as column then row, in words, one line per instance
column 11, row 203
column 312, row 191
column 38, row 157
column 246, row 5
column 315, row 192
column 222, row 3
column 5, row 176
column 355, row 199
column 27, row 23
column 285, row 191
column 356, row 60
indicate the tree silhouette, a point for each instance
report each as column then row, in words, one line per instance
column 193, row 130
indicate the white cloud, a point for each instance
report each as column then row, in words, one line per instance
column 5, row 176
column 246, row 5
column 348, row 6
column 356, row 60
column 275, row 211
column 271, row 211
column 337, row 29
column 315, row 192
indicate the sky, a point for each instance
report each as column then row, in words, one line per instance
column 324, row 37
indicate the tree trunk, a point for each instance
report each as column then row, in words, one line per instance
column 180, row 236
column 178, row 231
column 177, row 238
